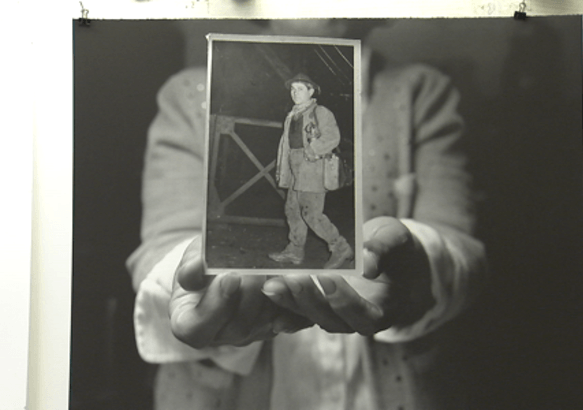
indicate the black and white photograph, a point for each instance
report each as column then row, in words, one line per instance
column 282, row 179
column 447, row 273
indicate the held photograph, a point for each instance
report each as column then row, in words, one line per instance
column 282, row 167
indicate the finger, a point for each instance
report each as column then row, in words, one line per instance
column 196, row 320
column 278, row 292
column 290, row 323
column 314, row 305
column 287, row 322
column 370, row 262
column 191, row 274
column 360, row 314
column 374, row 246
column 375, row 227
column 388, row 240
column 251, row 300
column 233, row 337
column 253, row 316
column 384, row 234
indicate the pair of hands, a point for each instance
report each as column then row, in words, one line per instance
column 231, row 309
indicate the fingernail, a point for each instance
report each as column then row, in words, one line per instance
column 271, row 295
column 230, row 284
column 274, row 288
column 328, row 285
column 294, row 286
column 371, row 264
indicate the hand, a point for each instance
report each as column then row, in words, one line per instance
column 309, row 154
column 229, row 309
column 395, row 288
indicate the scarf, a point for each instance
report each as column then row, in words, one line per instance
column 299, row 109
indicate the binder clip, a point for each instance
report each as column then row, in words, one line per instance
column 521, row 13
column 84, row 21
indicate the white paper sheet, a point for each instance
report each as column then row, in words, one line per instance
column 45, row 29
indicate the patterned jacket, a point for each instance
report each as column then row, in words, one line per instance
column 413, row 167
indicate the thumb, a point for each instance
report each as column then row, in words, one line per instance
column 191, row 272
column 385, row 238
column 191, row 275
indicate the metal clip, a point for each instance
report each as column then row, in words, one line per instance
column 84, row 21
column 521, row 13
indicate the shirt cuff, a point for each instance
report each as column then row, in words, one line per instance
column 448, row 276
column 156, row 342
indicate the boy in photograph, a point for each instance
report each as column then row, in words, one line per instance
column 310, row 133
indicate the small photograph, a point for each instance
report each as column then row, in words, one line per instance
column 282, row 167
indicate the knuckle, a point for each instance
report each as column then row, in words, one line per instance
column 342, row 306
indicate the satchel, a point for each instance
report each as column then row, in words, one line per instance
column 337, row 171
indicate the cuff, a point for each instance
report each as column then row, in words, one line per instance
column 155, row 340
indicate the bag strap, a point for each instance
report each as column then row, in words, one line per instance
column 336, row 149
column 316, row 118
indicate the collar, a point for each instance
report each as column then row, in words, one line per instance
column 301, row 108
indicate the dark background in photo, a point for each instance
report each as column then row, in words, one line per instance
column 520, row 83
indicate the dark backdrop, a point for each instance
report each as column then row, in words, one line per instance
column 521, row 98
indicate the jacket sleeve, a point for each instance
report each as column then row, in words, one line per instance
column 172, row 180
column 443, row 216
column 172, row 200
column 330, row 134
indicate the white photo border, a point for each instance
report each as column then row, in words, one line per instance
column 357, row 187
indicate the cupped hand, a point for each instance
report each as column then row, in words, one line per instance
column 228, row 309
column 395, row 288
column 341, row 306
